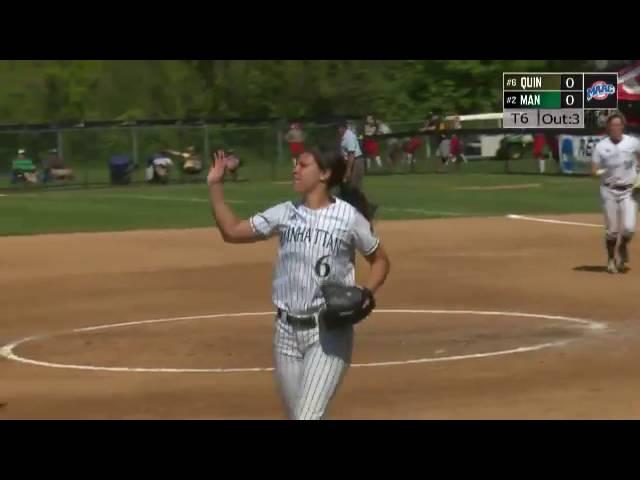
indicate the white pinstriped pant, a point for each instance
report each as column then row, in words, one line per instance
column 310, row 364
column 620, row 211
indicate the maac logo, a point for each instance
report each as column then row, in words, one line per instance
column 600, row 90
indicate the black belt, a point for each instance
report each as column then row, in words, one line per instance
column 621, row 188
column 302, row 322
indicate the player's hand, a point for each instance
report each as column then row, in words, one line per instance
column 217, row 168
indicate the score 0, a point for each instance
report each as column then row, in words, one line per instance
column 571, row 82
column 571, row 100
column 571, row 90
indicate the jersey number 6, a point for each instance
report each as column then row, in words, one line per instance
column 322, row 268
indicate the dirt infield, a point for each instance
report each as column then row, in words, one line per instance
column 52, row 284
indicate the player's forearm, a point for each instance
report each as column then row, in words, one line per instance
column 595, row 170
column 378, row 274
column 222, row 213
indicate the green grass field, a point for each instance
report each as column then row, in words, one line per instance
column 402, row 196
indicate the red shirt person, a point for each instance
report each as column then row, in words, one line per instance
column 370, row 144
column 295, row 137
column 410, row 147
column 456, row 150
column 540, row 151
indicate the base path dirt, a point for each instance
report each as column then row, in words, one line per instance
column 52, row 284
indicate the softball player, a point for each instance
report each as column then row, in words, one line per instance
column 615, row 160
column 318, row 238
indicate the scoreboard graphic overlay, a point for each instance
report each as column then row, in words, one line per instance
column 555, row 100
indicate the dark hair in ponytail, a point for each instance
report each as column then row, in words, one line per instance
column 334, row 160
column 330, row 160
column 359, row 200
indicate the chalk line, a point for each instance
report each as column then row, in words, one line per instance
column 164, row 198
column 7, row 350
column 425, row 212
column 548, row 220
column 512, row 186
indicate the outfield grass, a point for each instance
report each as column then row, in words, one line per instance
column 400, row 197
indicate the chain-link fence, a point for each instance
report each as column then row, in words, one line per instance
column 87, row 152
column 262, row 149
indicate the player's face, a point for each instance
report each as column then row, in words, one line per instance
column 307, row 174
column 616, row 129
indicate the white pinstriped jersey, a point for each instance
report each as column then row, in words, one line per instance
column 619, row 160
column 316, row 246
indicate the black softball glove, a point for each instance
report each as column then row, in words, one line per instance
column 345, row 305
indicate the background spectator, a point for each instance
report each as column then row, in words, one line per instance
column 602, row 118
column 394, row 149
column 353, row 126
column 410, row 147
column 191, row 160
column 350, row 148
column 23, row 169
column 444, row 149
column 370, row 144
column 540, row 150
column 158, row 168
column 554, row 147
column 55, row 169
column 431, row 125
column 457, row 151
column 295, row 137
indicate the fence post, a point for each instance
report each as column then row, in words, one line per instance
column 134, row 144
column 59, row 145
column 86, row 168
column 206, row 147
column 134, row 138
column 279, row 124
column 427, row 146
column 279, row 140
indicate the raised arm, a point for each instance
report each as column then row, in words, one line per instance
column 232, row 229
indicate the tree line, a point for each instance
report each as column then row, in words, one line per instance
column 38, row 91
